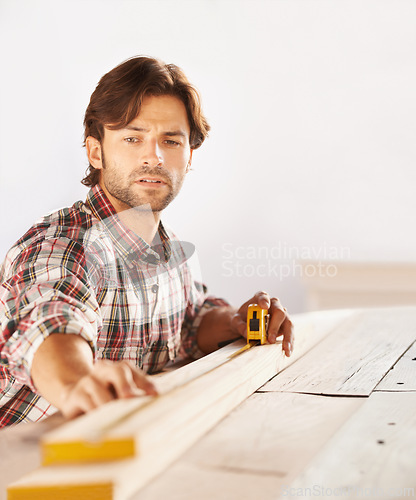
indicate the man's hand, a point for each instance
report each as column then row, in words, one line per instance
column 107, row 380
column 225, row 323
column 279, row 322
column 64, row 373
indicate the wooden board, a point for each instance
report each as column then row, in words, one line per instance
column 266, row 441
column 373, row 454
column 161, row 431
column 355, row 357
column 114, row 480
column 20, row 451
column 102, row 431
column 402, row 377
column 164, row 427
column 110, row 432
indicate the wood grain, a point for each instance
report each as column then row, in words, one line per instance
column 373, row 454
column 402, row 376
column 266, row 441
column 355, row 357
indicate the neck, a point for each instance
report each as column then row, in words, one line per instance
column 142, row 221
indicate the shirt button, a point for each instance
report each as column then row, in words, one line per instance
column 155, row 288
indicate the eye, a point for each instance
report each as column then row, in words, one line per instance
column 131, row 139
column 170, row 142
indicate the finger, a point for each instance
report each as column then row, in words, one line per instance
column 77, row 402
column 239, row 325
column 143, row 383
column 124, row 378
column 280, row 324
column 116, row 375
column 136, row 379
column 260, row 298
column 277, row 317
column 100, row 390
column 288, row 336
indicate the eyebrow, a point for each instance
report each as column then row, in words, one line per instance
column 169, row 133
column 175, row 133
column 137, row 129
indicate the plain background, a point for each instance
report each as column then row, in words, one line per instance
column 312, row 105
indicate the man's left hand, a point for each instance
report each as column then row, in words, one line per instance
column 279, row 321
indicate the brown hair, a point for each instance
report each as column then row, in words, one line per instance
column 118, row 96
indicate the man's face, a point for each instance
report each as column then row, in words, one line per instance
column 146, row 162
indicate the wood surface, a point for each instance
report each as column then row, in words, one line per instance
column 191, row 389
column 402, row 376
column 355, row 357
column 260, row 447
column 162, row 430
column 20, row 451
column 165, row 426
column 259, row 444
column 373, row 454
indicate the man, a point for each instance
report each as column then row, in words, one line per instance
column 94, row 296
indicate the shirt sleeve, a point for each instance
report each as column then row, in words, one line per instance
column 44, row 289
column 198, row 306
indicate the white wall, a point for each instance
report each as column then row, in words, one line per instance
column 312, row 105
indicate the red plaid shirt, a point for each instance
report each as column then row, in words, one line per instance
column 82, row 271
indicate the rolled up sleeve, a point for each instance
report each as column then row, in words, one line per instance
column 44, row 290
column 198, row 306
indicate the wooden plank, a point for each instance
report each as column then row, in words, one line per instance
column 355, row 357
column 261, row 446
column 110, row 432
column 20, row 451
column 162, row 430
column 111, row 426
column 119, row 479
column 164, row 427
column 373, row 454
column 402, row 376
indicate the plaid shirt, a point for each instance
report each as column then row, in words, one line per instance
column 81, row 271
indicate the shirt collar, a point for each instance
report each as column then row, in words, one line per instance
column 131, row 246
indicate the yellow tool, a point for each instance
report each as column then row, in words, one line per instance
column 257, row 323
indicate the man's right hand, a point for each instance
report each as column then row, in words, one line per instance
column 107, row 380
column 64, row 373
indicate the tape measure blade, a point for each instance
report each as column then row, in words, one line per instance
column 245, row 348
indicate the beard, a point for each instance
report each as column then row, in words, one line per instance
column 125, row 190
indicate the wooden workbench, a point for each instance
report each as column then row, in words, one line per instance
column 339, row 422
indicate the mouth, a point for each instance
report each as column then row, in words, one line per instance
column 151, row 182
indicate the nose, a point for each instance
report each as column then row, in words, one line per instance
column 152, row 154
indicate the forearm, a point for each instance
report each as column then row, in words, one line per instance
column 59, row 363
column 216, row 326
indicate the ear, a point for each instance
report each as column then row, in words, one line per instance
column 93, row 147
column 188, row 167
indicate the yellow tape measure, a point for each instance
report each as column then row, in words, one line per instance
column 257, row 323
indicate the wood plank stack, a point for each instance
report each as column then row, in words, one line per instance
column 116, row 449
column 340, row 422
